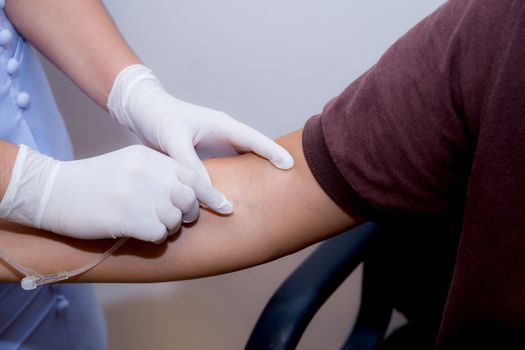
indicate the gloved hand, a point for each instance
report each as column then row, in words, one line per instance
column 133, row 192
column 138, row 101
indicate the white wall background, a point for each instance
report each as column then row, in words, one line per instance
column 271, row 64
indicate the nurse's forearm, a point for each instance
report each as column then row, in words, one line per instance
column 79, row 37
column 8, row 154
column 276, row 213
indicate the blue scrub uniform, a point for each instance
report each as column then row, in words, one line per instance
column 57, row 316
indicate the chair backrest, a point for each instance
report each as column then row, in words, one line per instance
column 293, row 305
column 407, row 267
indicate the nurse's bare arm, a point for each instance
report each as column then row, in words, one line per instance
column 79, row 37
column 276, row 213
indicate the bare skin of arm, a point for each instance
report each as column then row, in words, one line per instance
column 276, row 213
column 79, row 37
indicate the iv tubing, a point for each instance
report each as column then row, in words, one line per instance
column 34, row 279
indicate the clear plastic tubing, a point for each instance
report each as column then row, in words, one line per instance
column 34, row 279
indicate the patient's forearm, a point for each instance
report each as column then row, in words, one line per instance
column 276, row 213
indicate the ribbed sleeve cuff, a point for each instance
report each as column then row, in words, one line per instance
column 328, row 175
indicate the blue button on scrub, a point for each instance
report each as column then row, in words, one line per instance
column 54, row 317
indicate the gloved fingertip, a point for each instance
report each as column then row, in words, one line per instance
column 223, row 206
column 159, row 241
column 188, row 219
column 162, row 238
column 175, row 229
column 283, row 161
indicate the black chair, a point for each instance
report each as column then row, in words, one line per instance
column 302, row 294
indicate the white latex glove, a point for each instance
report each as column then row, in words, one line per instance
column 133, row 192
column 138, row 101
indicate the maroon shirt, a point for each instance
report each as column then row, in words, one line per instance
column 433, row 132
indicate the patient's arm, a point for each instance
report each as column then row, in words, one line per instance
column 276, row 213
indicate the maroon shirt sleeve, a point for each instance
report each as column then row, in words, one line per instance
column 437, row 127
column 396, row 142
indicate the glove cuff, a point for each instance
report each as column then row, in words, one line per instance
column 130, row 86
column 29, row 188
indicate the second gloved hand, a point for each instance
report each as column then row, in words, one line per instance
column 138, row 101
column 133, row 192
